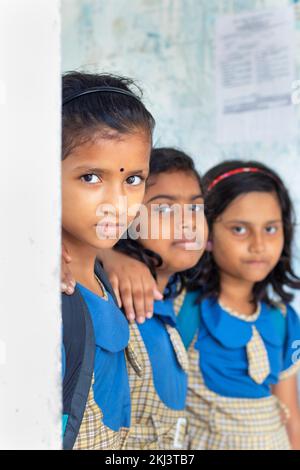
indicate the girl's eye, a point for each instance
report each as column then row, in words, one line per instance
column 271, row 230
column 239, row 230
column 134, row 180
column 196, row 207
column 163, row 209
column 90, row 178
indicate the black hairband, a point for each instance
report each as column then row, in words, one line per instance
column 109, row 89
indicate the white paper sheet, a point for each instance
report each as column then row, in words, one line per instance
column 255, row 69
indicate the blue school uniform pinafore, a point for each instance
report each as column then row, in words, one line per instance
column 234, row 361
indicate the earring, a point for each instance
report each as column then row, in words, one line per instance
column 209, row 245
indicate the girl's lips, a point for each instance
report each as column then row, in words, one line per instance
column 187, row 244
column 109, row 224
column 184, row 239
column 256, row 262
column 110, row 229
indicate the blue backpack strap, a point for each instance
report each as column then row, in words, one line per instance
column 188, row 319
column 79, row 343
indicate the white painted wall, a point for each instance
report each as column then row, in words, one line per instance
column 30, row 395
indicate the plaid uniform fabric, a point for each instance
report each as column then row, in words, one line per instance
column 153, row 424
column 258, row 361
column 178, row 301
column 93, row 434
column 222, row 423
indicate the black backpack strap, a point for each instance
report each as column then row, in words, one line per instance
column 79, row 343
column 99, row 271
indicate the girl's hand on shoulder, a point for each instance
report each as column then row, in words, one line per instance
column 133, row 284
column 68, row 283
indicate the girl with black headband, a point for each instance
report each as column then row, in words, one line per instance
column 236, row 321
column 172, row 239
column 106, row 143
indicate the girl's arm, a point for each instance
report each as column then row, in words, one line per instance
column 287, row 392
column 133, row 284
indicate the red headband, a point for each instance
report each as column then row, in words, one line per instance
column 237, row 171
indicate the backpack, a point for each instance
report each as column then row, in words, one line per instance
column 79, row 343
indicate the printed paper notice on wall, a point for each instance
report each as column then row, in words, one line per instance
column 255, row 69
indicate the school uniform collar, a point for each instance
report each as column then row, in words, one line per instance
column 111, row 328
column 233, row 332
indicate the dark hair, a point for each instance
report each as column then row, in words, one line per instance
column 218, row 198
column 101, row 112
column 162, row 160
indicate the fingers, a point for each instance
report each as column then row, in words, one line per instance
column 138, row 301
column 65, row 289
column 157, row 294
column 148, row 299
column 115, row 285
column 127, row 299
column 133, row 285
column 67, row 283
column 136, row 295
column 151, row 293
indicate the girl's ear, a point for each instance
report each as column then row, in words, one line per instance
column 209, row 245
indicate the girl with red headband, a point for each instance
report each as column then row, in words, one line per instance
column 241, row 333
column 244, row 354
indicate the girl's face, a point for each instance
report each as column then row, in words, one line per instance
column 101, row 180
column 248, row 237
column 176, row 202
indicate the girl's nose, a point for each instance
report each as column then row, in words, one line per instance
column 257, row 244
column 116, row 195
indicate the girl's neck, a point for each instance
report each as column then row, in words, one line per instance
column 236, row 294
column 162, row 280
column 82, row 263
